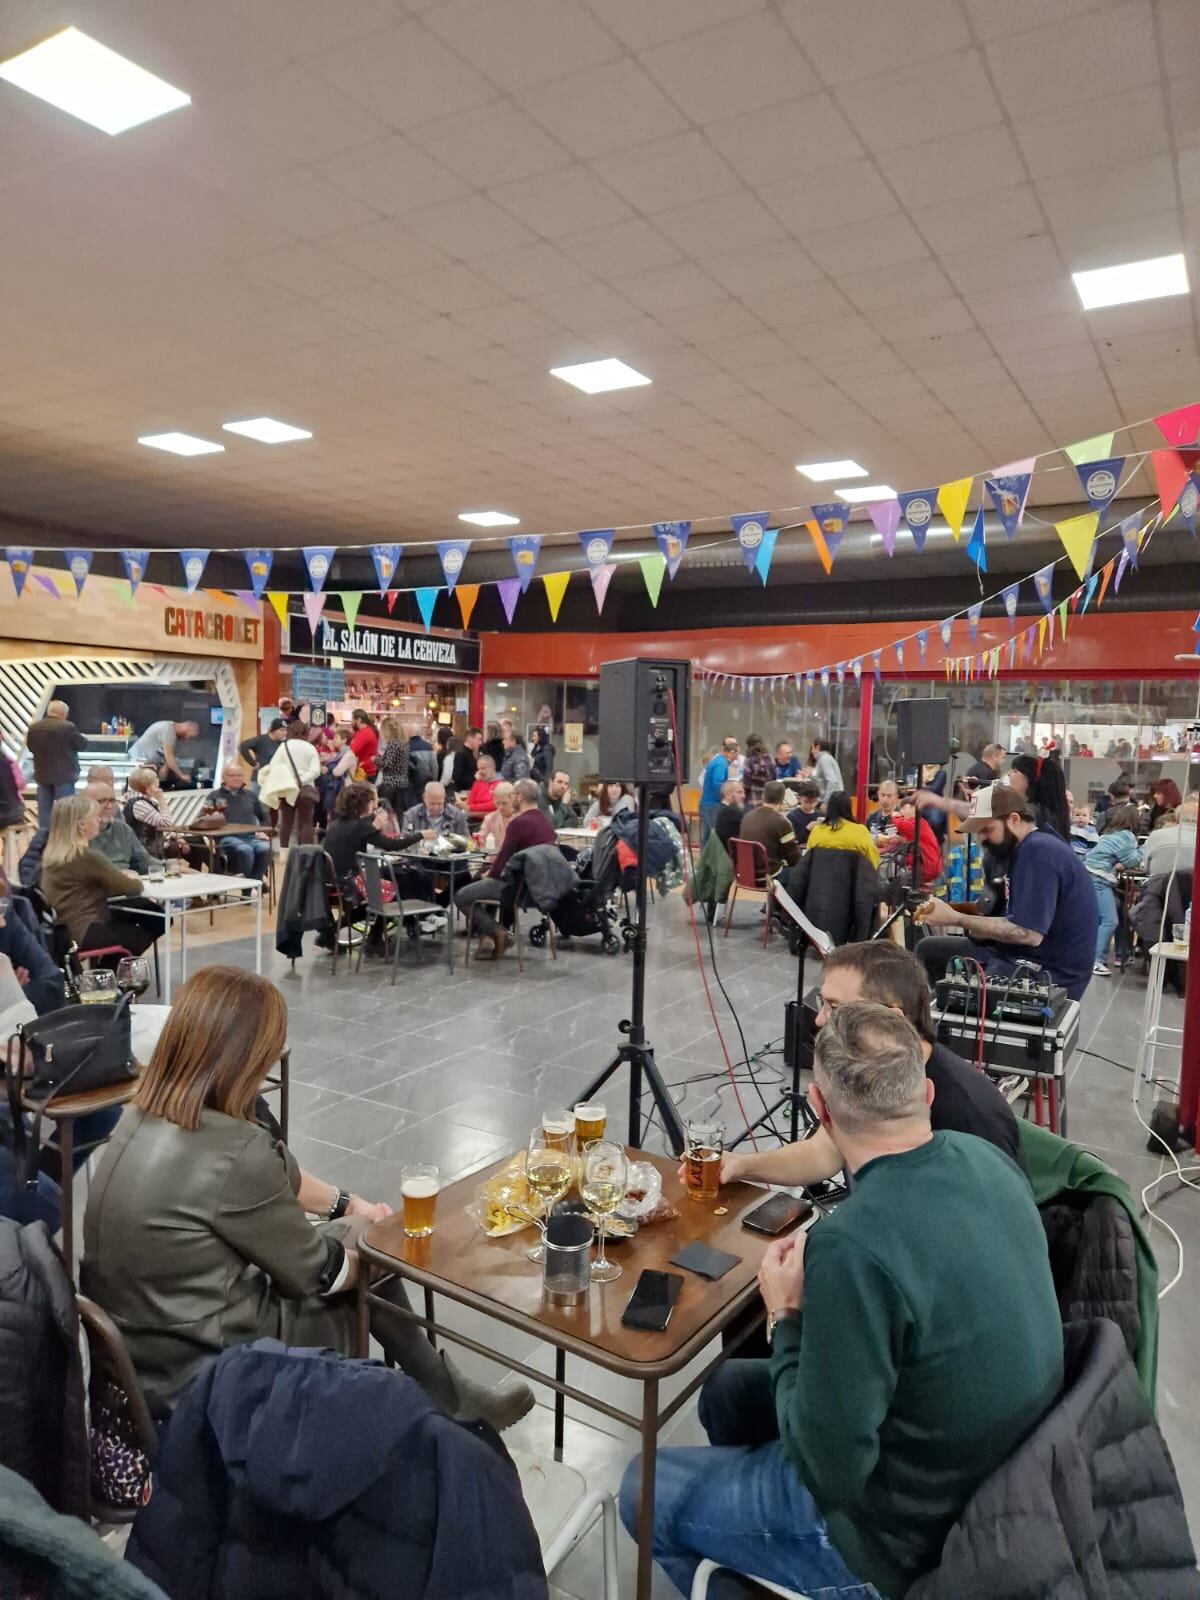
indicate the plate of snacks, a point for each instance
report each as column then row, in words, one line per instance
column 505, row 1203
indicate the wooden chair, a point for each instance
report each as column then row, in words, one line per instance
column 111, row 1362
column 750, row 876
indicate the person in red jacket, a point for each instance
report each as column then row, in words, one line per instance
column 479, row 795
column 905, row 821
column 364, row 741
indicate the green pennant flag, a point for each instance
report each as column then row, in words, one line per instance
column 1097, row 449
column 351, row 599
column 653, row 567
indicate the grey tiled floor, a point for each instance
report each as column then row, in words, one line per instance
column 457, row 1069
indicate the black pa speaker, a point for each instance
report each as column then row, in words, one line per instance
column 923, row 732
column 643, row 719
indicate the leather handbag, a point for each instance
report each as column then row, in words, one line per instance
column 68, row 1051
column 304, row 791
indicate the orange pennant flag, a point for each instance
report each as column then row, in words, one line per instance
column 1106, row 573
column 952, row 503
column 466, row 594
column 818, row 538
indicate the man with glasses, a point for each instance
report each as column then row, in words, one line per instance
column 116, row 840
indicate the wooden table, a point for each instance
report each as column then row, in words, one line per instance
column 492, row 1276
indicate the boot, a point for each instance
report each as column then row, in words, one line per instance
column 476, row 1403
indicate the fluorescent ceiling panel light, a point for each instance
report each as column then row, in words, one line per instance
column 869, row 491
column 597, row 377
column 930, row 533
column 826, row 471
column 489, row 519
column 91, row 82
column 1136, row 280
column 181, row 444
column 266, row 430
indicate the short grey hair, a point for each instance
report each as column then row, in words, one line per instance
column 992, row 750
column 525, row 789
column 58, row 708
column 869, row 1066
column 729, row 786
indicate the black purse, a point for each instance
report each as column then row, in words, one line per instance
column 65, row 1052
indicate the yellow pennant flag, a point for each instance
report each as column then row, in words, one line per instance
column 952, row 502
column 1062, row 617
column 1078, row 534
column 466, row 594
column 1041, row 642
column 556, row 587
column 279, row 606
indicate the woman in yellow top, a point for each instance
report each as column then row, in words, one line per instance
column 839, row 831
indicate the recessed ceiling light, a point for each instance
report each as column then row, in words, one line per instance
column 92, row 82
column 869, row 491
column 825, row 471
column 596, row 377
column 181, row 444
column 1136, row 280
column 267, row 431
column 489, row 519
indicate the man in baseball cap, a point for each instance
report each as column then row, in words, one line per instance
column 1051, row 918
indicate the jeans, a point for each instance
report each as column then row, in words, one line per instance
column 708, row 815
column 739, row 1501
column 482, row 894
column 1106, row 905
column 246, row 856
column 47, row 794
column 937, row 950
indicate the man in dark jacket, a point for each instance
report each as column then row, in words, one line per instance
column 54, row 743
column 466, row 762
column 294, row 1472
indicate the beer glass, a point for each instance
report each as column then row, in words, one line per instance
column 97, row 986
column 548, row 1174
column 705, row 1147
column 602, row 1182
column 419, row 1187
column 556, row 1125
column 590, row 1122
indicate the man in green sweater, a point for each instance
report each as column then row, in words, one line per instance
column 916, row 1342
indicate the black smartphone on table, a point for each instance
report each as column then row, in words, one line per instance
column 652, row 1301
column 778, row 1214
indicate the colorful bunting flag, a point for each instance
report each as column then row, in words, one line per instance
column 79, row 564
column 1106, row 572
column 833, row 518
column 555, row 584
column 1027, row 642
column 386, row 558
column 1093, row 449
column 466, row 594
column 1170, row 474
column 1088, row 592
column 1062, row 618
column 1010, row 597
column 973, row 615
column 840, row 669
column 1043, row 622
column 389, row 599
column 946, row 629
column 427, row 597
column 318, row 558
column 279, row 605
column 1122, row 563
column 672, row 540
column 1008, row 489
column 314, row 604
column 825, row 678
column 453, row 553
column 509, row 590
column 885, row 514
column 875, row 665
column 1099, row 481
column 922, row 642
column 750, row 527
column 952, row 503
column 1078, row 535
column 19, row 565
column 258, row 564
column 1186, row 505
column 1043, row 583
column 525, row 548
column 818, row 539
column 899, row 649
column 977, row 544
column 653, row 570
column 1012, row 652
column 194, row 563
column 856, row 669
column 601, row 578
column 917, row 510
column 135, row 567
column 350, row 600
column 1131, row 538
column 766, row 550
column 1181, row 427
column 597, row 545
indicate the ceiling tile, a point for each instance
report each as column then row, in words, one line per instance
column 899, row 285
column 405, row 76
column 830, row 197
column 849, row 39
column 392, row 175
column 796, row 307
column 491, row 144
column 992, row 219
column 711, row 319
column 299, row 112
column 772, row 266
column 607, row 108
column 1111, row 239
column 883, row 244
column 308, row 26
column 928, row 319
column 670, row 287
column 707, row 227
column 970, row 163
column 1130, row 189
column 468, row 227
column 498, row 39
column 1074, row 139
column 752, row 60
column 452, row 288
column 667, row 172
column 561, row 202
column 785, row 141
column 307, row 205
column 584, row 307
column 619, row 247
column 1068, row 62
column 938, row 96
column 995, row 308
column 1022, row 261
column 308, row 270
column 532, row 269
column 388, row 250
column 943, row 355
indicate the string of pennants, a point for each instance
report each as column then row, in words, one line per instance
column 1176, row 471
column 1135, row 533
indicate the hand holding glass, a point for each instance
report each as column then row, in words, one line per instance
column 604, row 1176
column 704, row 1149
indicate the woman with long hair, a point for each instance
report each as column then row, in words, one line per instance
column 839, row 831
column 79, row 882
column 196, row 1235
column 1040, row 779
column 391, row 761
column 1164, row 797
column 612, row 800
column 360, row 822
column 289, row 782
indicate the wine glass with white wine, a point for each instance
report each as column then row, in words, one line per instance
column 603, row 1179
column 548, row 1174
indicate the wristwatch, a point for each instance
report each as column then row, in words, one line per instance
column 338, row 1206
column 774, row 1318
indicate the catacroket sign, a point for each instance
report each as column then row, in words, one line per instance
column 400, row 647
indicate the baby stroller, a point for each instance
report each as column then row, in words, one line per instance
column 590, row 907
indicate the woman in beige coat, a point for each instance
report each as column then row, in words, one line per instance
column 196, row 1235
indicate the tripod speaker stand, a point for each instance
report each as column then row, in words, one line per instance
column 636, row 1052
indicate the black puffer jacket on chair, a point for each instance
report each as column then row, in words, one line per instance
column 839, row 890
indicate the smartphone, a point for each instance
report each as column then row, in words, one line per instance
column 652, row 1301
column 778, row 1214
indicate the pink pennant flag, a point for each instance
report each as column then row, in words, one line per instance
column 1181, row 427
column 314, row 604
column 509, row 590
column 601, row 578
column 885, row 514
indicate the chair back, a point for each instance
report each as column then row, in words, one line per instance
column 373, row 869
column 124, row 1438
column 749, row 863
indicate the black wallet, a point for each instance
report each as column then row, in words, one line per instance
column 704, row 1260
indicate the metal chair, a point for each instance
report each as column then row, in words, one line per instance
column 394, row 913
column 563, row 1509
column 706, row 1569
column 524, row 903
column 750, row 875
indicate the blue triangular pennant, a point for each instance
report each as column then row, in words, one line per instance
column 1099, row 481
column 1129, row 539
column 318, row 558
column 453, row 553
column 79, row 564
column 19, row 564
column 258, row 564
column 1010, row 597
column 386, row 558
column 525, row 548
column 1007, row 495
column 1088, row 592
column 899, row 649
column 917, row 510
column 426, row 599
column 1043, row 583
column 135, row 567
column 945, row 629
column 977, row 544
column 875, row 666
column 672, row 538
column 1186, row 505
column 750, row 527
column 973, row 615
column 922, row 642
column 194, row 563
column 597, row 545
column 762, row 563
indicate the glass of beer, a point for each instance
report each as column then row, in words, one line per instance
column 590, row 1122
column 419, row 1187
column 705, row 1147
column 556, row 1125
column 97, row 986
column 547, row 1172
column 602, row 1183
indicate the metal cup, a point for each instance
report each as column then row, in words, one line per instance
column 567, row 1269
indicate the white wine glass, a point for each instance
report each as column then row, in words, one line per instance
column 96, row 985
column 603, row 1179
column 548, row 1174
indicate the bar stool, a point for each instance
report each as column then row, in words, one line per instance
column 1153, row 1030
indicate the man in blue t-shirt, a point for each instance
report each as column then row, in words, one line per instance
column 1051, row 918
column 718, row 770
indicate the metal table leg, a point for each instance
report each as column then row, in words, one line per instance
column 66, row 1156
column 560, row 1402
column 167, row 956
column 645, row 1521
column 258, row 897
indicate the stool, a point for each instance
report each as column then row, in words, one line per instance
column 1152, row 1028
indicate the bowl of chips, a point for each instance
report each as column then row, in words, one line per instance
column 505, row 1203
